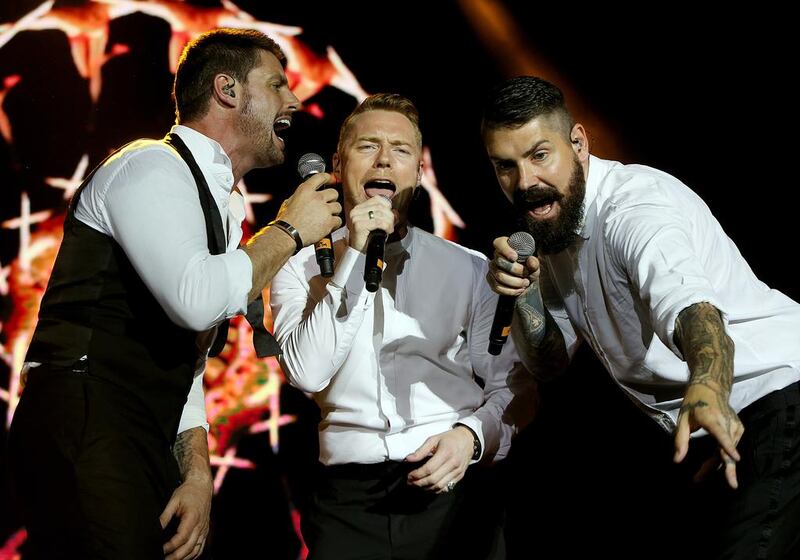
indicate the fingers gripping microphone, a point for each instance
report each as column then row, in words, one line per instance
column 308, row 165
column 373, row 266
column 522, row 242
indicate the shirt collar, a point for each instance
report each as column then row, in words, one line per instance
column 597, row 171
column 210, row 156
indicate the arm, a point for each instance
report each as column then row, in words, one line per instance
column 316, row 335
column 538, row 338
column 311, row 212
column 316, row 329
column 659, row 246
column 708, row 350
column 191, row 501
column 491, row 423
column 150, row 207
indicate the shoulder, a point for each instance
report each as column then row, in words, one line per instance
column 449, row 251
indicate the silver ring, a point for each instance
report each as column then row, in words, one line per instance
column 451, row 485
column 371, row 214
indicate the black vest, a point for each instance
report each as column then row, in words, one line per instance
column 96, row 305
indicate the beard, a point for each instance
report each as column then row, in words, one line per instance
column 554, row 235
column 260, row 134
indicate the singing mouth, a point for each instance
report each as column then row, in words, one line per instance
column 281, row 124
column 380, row 187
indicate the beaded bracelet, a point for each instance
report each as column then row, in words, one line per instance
column 290, row 231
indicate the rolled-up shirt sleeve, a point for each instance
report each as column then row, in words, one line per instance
column 194, row 411
column 652, row 244
column 151, row 208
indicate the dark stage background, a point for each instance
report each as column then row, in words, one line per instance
column 706, row 98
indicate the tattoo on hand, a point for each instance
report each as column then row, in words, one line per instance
column 688, row 407
column 503, row 264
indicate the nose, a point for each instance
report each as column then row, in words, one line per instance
column 382, row 158
column 291, row 101
column 527, row 176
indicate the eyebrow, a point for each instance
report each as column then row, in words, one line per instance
column 376, row 139
column 527, row 154
column 280, row 78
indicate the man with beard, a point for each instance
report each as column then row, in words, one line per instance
column 632, row 261
column 409, row 395
column 108, row 444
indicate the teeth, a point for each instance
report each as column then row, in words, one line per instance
column 282, row 124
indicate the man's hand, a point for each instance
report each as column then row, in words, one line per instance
column 312, row 212
column 191, row 503
column 708, row 350
column 374, row 213
column 706, row 407
column 450, row 454
column 506, row 276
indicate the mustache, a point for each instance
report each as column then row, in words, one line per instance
column 536, row 196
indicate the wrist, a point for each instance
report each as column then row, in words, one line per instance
column 476, row 442
column 289, row 230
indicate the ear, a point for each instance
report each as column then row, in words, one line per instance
column 227, row 91
column 580, row 142
column 419, row 173
column 337, row 164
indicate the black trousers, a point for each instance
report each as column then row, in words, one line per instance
column 91, row 470
column 369, row 512
column 761, row 519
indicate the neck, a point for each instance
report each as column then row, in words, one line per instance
column 223, row 133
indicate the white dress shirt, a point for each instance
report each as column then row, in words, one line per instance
column 146, row 199
column 391, row 368
column 650, row 247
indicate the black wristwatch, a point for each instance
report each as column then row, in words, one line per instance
column 476, row 443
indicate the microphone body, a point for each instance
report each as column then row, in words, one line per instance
column 522, row 242
column 308, row 165
column 373, row 267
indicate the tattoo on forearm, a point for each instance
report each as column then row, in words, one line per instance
column 542, row 342
column 708, row 350
column 182, row 450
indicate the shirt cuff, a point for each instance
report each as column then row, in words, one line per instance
column 668, row 318
column 240, row 281
column 194, row 411
column 350, row 272
column 474, row 424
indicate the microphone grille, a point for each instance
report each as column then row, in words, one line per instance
column 310, row 164
column 523, row 243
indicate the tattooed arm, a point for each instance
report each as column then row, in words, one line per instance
column 191, row 501
column 708, row 350
column 539, row 340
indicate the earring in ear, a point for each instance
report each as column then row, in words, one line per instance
column 227, row 89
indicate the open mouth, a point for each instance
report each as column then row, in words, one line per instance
column 539, row 204
column 380, row 187
column 281, row 124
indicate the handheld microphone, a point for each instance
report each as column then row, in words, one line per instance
column 373, row 266
column 308, row 165
column 523, row 243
